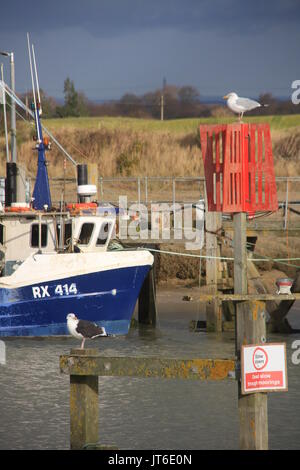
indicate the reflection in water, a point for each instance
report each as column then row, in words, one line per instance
column 138, row 413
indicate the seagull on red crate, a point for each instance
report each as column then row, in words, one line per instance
column 241, row 105
column 83, row 329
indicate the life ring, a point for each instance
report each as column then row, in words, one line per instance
column 17, row 209
column 82, row 205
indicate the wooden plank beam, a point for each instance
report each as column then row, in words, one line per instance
column 146, row 367
column 247, row 297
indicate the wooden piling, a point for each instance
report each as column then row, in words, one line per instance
column 147, row 301
column 84, row 408
column 85, row 365
column 213, row 309
column 147, row 311
column 250, row 329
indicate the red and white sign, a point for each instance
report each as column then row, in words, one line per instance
column 264, row 368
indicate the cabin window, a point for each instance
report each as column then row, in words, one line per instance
column 67, row 232
column 103, row 234
column 35, row 235
column 86, row 233
column 1, row 234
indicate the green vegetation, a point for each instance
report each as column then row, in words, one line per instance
column 278, row 122
column 75, row 102
column 146, row 147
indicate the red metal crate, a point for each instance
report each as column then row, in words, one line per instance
column 238, row 165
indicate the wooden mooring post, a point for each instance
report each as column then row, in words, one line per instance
column 84, row 407
column 147, row 310
column 84, row 367
column 213, row 308
column 250, row 329
column 147, row 300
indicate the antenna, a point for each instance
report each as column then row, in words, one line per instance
column 37, row 81
column 33, row 89
column 4, row 113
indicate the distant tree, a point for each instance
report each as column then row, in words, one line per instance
column 130, row 104
column 188, row 94
column 171, row 102
column 267, row 98
column 151, row 102
column 75, row 102
column 71, row 98
column 270, row 102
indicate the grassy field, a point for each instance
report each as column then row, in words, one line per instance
column 175, row 125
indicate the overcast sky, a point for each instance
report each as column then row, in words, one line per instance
column 109, row 47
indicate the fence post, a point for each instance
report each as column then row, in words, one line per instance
column 101, row 187
column 146, row 191
column 286, row 207
column 174, row 200
column 84, row 406
column 139, row 190
column 250, row 329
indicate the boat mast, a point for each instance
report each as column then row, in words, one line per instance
column 41, row 193
column 4, row 113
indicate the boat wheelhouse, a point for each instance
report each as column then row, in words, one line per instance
column 56, row 263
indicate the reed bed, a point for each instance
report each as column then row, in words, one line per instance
column 139, row 147
column 131, row 147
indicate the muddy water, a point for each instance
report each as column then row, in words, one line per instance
column 140, row 413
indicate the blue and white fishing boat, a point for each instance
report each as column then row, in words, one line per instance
column 58, row 261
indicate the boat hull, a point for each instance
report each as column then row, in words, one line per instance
column 107, row 298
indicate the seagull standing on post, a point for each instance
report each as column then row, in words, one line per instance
column 240, row 105
column 83, row 329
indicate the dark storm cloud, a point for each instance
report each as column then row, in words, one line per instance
column 117, row 17
column 109, row 47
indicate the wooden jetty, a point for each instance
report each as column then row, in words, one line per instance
column 249, row 310
column 85, row 366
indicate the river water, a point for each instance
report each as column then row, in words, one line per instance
column 140, row 413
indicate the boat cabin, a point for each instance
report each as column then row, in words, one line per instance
column 23, row 234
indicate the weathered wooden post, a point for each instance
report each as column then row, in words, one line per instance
column 147, row 301
column 84, row 367
column 250, row 329
column 240, row 179
column 213, row 222
column 147, row 311
column 84, row 407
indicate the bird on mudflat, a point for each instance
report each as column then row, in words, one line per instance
column 241, row 105
column 84, row 329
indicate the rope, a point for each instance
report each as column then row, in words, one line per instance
column 178, row 253
column 277, row 260
column 287, row 222
column 79, row 151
